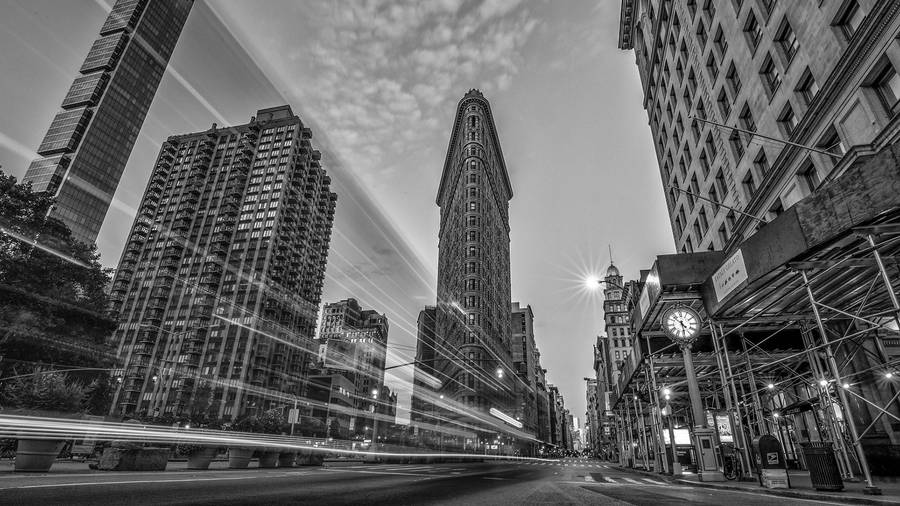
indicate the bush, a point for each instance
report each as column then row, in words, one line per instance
column 43, row 391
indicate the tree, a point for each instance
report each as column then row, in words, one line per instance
column 52, row 294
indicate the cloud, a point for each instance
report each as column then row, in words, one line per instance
column 373, row 72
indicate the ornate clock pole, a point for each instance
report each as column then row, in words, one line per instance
column 682, row 325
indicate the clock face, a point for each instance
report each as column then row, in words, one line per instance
column 682, row 324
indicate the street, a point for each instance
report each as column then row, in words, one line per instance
column 568, row 481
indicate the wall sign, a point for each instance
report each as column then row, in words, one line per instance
column 730, row 275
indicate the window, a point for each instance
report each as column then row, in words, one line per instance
column 737, row 144
column 787, row 41
column 692, row 81
column 752, row 31
column 849, row 18
column 746, row 119
column 714, row 197
column 776, row 209
column 887, row 85
column 721, row 42
column 807, row 88
column 723, row 235
column 695, row 128
column 704, row 222
column 711, row 146
column 761, row 163
column 787, row 120
column 679, row 71
column 770, row 76
column 712, row 67
column 709, row 10
column 701, row 110
column 701, row 34
column 733, row 79
column 704, row 162
column 768, row 6
column 684, row 51
column 697, row 232
column 832, row 142
column 695, row 190
column 721, row 189
column 809, row 176
column 724, row 104
column 749, row 184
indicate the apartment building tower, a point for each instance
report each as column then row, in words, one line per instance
column 218, row 288
column 753, row 104
column 89, row 141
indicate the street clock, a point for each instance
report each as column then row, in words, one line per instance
column 681, row 324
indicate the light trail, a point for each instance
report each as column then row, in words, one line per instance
column 31, row 427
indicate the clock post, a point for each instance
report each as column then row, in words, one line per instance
column 682, row 326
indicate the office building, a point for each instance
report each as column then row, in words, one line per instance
column 352, row 343
column 473, row 310
column 89, row 141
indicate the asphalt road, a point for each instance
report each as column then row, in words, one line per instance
column 571, row 481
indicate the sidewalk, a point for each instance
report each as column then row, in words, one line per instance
column 801, row 487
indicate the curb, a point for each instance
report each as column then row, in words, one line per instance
column 794, row 494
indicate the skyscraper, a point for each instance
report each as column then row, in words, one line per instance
column 88, row 143
column 218, row 288
column 473, row 310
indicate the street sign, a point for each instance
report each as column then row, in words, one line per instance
column 293, row 415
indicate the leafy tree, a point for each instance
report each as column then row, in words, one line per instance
column 52, row 297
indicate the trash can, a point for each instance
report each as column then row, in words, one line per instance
column 823, row 468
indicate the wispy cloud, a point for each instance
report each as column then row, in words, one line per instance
column 377, row 73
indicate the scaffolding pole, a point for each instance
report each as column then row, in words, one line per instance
column 734, row 414
column 842, row 395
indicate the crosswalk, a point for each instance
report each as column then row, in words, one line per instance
column 606, row 480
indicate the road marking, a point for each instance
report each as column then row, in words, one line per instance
column 588, row 478
column 654, row 481
column 419, row 475
column 131, row 482
column 607, row 478
column 629, row 480
column 492, row 478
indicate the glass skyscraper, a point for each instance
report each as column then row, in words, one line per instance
column 89, row 141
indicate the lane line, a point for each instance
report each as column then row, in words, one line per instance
column 131, row 482
column 630, row 480
column 607, row 478
column 588, row 478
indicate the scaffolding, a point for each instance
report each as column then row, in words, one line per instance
column 805, row 346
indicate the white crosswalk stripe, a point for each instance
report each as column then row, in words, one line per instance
column 588, row 478
column 629, row 480
column 653, row 482
column 607, row 478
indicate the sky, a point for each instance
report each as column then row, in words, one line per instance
column 378, row 82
